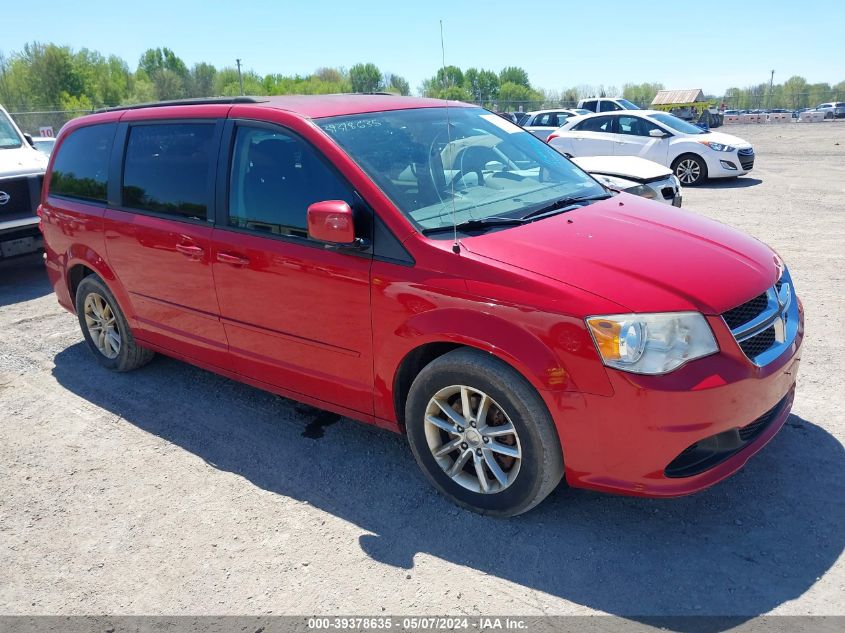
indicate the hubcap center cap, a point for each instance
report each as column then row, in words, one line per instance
column 473, row 437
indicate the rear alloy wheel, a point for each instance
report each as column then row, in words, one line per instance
column 102, row 325
column 690, row 170
column 105, row 328
column 482, row 435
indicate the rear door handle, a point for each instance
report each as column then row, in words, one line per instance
column 231, row 258
column 190, row 250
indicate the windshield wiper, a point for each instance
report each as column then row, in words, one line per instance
column 475, row 224
column 564, row 204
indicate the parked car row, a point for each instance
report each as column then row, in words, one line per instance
column 436, row 271
column 693, row 154
column 832, row 109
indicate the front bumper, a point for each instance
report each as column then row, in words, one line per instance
column 667, row 191
column 626, row 442
column 729, row 164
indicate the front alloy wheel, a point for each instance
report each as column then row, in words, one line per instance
column 690, row 170
column 472, row 439
column 482, row 434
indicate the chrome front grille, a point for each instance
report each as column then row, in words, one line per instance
column 767, row 324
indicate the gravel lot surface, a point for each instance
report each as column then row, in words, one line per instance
column 174, row 491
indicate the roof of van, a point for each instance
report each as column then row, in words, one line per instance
column 312, row 106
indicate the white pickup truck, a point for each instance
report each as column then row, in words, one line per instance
column 21, row 172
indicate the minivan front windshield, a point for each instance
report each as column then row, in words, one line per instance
column 458, row 165
column 9, row 138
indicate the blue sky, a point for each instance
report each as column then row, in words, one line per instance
column 559, row 43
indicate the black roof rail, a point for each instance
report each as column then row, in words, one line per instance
column 185, row 102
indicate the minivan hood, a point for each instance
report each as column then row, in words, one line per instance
column 643, row 255
column 21, row 161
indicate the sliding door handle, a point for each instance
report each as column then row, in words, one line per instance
column 231, row 258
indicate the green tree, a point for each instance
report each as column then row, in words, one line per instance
column 201, row 80
column 398, row 84
column 513, row 97
column 366, row 78
column 514, row 75
column 482, row 85
column 641, row 94
column 449, row 76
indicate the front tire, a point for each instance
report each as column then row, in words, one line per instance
column 690, row 169
column 482, row 435
column 105, row 328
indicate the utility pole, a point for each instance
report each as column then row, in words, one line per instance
column 771, row 84
column 241, row 79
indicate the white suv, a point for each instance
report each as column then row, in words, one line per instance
column 21, row 172
column 606, row 105
column 833, row 110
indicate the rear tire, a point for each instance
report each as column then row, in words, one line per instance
column 505, row 455
column 105, row 329
column 690, row 169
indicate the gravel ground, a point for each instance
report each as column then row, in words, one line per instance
column 174, row 491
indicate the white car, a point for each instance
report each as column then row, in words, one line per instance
column 541, row 123
column 633, row 175
column 693, row 154
column 606, row 104
column 21, row 172
column 44, row 144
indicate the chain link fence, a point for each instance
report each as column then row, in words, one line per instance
column 45, row 122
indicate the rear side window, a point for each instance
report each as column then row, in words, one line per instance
column 609, row 106
column 589, row 105
column 595, row 124
column 81, row 167
column 168, row 168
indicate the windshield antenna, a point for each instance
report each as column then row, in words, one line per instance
column 456, row 247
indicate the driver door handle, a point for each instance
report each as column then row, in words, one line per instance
column 190, row 250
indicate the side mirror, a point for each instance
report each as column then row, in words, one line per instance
column 28, row 138
column 657, row 133
column 331, row 221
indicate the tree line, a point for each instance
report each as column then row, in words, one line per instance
column 53, row 77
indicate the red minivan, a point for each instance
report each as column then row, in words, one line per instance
column 433, row 269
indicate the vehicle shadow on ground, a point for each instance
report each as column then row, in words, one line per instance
column 730, row 183
column 23, row 278
column 742, row 548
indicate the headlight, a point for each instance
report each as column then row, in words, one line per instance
column 651, row 343
column 642, row 190
column 619, row 184
column 718, row 146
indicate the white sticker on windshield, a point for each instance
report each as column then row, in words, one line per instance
column 502, row 123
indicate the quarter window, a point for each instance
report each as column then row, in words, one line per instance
column 596, row 124
column 81, row 167
column 275, row 177
column 168, row 168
